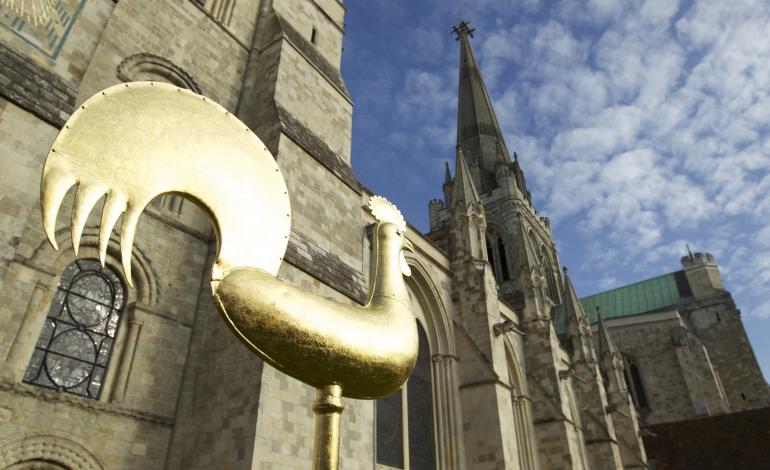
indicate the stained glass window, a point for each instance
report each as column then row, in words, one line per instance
column 419, row 398
column 74, row 347
column 634, row 384
column 390, row 435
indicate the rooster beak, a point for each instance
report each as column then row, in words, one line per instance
column 407, row 246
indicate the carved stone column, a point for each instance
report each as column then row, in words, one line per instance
column 118, row 392
column 447, row 419
column 28, row 332
column 524, row 433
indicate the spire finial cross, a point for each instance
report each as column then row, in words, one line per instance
column 462, row 29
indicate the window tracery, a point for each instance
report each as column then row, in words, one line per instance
column 77, row 339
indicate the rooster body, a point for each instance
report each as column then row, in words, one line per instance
column 134, row 142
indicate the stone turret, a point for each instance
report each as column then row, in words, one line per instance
column 702, row 275
column 435, row 206
column 447, row 187
column 439, row 213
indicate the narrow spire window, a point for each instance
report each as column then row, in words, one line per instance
column 314, row 36
column 550, row 279
column 497, row 257
column 634, row 383
column 503, row 260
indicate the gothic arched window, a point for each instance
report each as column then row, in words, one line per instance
column 74, row 347
column 496, row 256
column 414, row 404
column 551, row 278
column 503, row 259
column 634, row 383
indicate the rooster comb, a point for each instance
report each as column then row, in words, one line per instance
column 385, row 211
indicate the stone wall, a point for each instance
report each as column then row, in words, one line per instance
column 205, row 50
column 66, row 53
column 326, row 16
column 651, row 346
column 219, row 400
column 302, row 81
column 115, row 437
column 717, row 323
column 131, row 425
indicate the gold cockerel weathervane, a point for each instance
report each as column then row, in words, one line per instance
column 136, row 141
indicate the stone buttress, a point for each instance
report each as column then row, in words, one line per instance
column 595, row 415
column 488, row 414
column 619, row 400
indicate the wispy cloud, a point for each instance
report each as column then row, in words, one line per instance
column 642, row 126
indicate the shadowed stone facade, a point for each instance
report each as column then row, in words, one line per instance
column 692, row 354
column 504, row 386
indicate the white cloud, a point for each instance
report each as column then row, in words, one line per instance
column 762, row 311
column 642, row 126
column 608, row 282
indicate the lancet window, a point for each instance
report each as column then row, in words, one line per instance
column 405, row 419
column 497, row 256
column 634, row 383
column 552, row 281
column 76, row 342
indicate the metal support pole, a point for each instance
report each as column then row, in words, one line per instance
column 326, row 446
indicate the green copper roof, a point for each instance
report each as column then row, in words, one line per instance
column 644, row 296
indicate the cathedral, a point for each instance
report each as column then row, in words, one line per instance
column 514, row 370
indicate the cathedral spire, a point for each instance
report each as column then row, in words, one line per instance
column 478, row 131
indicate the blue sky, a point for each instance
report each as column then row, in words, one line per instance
column 642, row 126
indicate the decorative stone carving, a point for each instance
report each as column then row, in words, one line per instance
column 46, row 452
column 147, row 66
